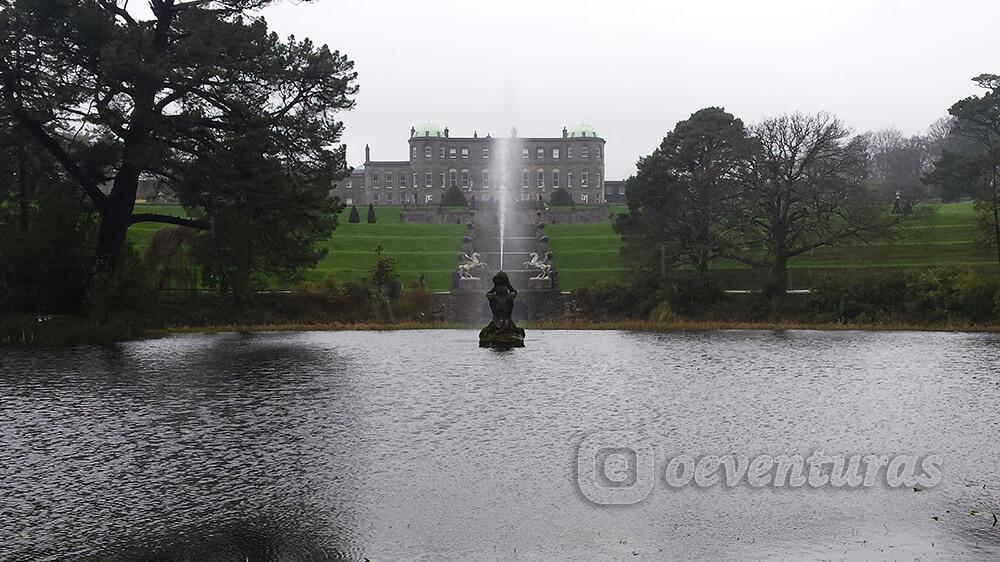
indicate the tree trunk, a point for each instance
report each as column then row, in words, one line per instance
column 777, row 283
column 115, row 219
column 996, row 212
column 22, row 187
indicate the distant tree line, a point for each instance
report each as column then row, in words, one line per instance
column 766, row 193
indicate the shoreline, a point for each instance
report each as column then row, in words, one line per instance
column 624, row 325
column 92, row 334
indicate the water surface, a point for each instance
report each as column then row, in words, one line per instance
column 421, row 446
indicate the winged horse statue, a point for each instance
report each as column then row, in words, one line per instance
column 469, row 264
column 541, row 264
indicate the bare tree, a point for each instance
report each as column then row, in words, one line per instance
column 802, row 189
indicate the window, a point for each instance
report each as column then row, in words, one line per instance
column 452, row 178
column 428, row 180
column 583, row 197
column 569, row 180
column 413, row 152
column 416, row 183
column 486, row 154
column 349, row 201
column 428, row 198
column 621, row 189
column 465, row 179
column 388, row 180
column 427, row 151
column 350, row 184
column 583, row 179
column 402, row 180
column 441, row 153
column 486, row 179
column 599, row 186
column 569, row 152
column 597, row 152
column 524, row 153
column 555, row 178
column 555, row 153
column 524, row 179
column 452, row 153
column 388, row 199
column 374, row 181
column 583, row 151
column 540, row 178
column 540, row 153
column 465, row 153
column 486, row 197
column 378, row 199
column 442, row 180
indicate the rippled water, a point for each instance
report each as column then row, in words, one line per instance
column 421, row 446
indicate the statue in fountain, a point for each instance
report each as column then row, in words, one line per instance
column 541, row 264
column 469, row 264
column 501, row 331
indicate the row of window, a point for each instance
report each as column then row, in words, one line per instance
column 539, row 152
column 387, row 199
column 454, row 176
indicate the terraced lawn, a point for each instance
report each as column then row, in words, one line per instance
column 587, row 253
column 430, row 250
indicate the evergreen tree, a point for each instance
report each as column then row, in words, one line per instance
column 371, row 214
column 454, row 198
column 157, row 95
column 561, row 198
column 354, row 217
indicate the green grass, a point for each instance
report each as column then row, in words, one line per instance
column 587, row 253
column 429, row 249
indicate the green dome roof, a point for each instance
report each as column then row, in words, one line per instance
column 583, row 130
column 428, row 130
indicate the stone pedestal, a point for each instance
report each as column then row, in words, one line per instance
column 474, row 284
column 539, row 284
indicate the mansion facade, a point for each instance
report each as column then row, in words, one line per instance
column 530, row 168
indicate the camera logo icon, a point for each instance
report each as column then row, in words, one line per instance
column 615, row 467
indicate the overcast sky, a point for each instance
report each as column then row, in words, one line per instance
column 633, row 69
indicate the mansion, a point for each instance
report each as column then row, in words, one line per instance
column 530, row 168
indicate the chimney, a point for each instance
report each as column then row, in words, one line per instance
column 413, row 131
column 446, row 132
column 565, row 132
column 475, row 134
column 368, row 154
column 513, row 132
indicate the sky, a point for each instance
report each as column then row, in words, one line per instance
column 634, row 69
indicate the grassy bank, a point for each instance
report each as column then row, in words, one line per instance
column 427, row 249
column 626, row 326
column 700, row 325
column 588, row 253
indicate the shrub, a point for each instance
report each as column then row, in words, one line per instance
column 690, row 295
column 354, row 217
column 48, row 266
column 454, row 197
column 414, row 304
column 371, row 214
column 561, row 198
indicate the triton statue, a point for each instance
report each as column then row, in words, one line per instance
column 501, row 331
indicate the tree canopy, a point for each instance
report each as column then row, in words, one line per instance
column 160, row 98
column 681, row 192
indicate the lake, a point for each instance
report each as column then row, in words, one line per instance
column 419, row 445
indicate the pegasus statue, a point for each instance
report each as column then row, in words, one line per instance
column 541, row 264
column 469, row 264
